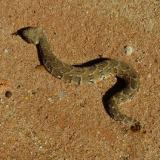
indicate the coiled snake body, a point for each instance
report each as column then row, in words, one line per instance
column 87, row 74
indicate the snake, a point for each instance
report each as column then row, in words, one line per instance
column 88, row 74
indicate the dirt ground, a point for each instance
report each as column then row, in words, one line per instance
column 43, row 118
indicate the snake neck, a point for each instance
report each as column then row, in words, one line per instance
column 49, row 60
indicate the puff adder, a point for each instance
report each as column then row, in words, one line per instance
column 88, row 74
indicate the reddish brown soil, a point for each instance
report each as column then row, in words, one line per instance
column 42, row 117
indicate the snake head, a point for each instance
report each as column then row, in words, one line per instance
column 30, row 34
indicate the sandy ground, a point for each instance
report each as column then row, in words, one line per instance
column 42, row 117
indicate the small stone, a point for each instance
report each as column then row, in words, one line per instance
column 6, row 50
column 8, row 94
column 19, row 86
column 51, row 100
column 128, row 50
column 136, row 127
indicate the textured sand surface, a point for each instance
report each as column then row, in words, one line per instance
column 42, row 117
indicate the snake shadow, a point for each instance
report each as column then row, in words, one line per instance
column 119, row 86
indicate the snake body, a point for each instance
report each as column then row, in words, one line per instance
column 87, row 74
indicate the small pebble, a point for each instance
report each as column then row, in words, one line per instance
column 51, row 100
column 6, row 50
column 8, row 94
column 128, row 50
column 19, row 86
